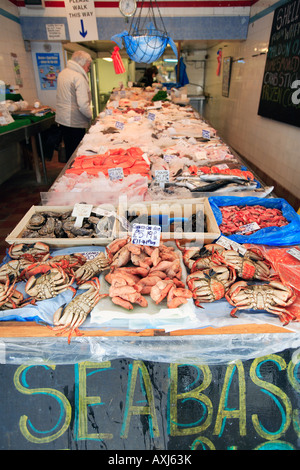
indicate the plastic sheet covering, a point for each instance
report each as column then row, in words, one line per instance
column 194, row 349
column 220, row 349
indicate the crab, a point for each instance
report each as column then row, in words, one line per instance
column 10, row 297
column 252, row 265
column 50, row 284
column 272, row 297
column 211, row 284
column 14, row 269
column 66, row 262
column 71, row 317
column 92, row 268
column 34, row 252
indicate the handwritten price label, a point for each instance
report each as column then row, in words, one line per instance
column 169, row 158
column 249, row 228
column 205, row 134
column 295, row 253
column 230, row 244
column 80, row 211
column 151, row 116
column 162, row 176
column 119, row 125
column 115, row 173
column 143, row 234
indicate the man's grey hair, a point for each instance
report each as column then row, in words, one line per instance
column 81, row 57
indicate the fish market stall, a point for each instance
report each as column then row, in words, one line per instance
column 153, row 165
column 156, row 245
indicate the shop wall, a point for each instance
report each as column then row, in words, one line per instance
column 11, row 42
column 272, row 146
column 108, row 79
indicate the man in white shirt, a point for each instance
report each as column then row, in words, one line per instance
column 73, row 100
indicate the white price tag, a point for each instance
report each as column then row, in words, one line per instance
column 224, row 242
column 205, row 134
column 230, row 244
column 222, row 166
column 183, row 142
column 249, row 228
column 151, row 116
column 295, row 253
column 162, row 177
column 137, row 118
column 90, row 254
column 119, row 125
column 168, row 158
column 108, row 112
column 237, row 247
column 143, row 234
column 115, row 173
column 80, row 211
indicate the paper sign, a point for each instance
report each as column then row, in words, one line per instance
column 294, row 252
column 80, row 211
column 230, row 244
column 206, row 134
column 115, row 173
column 82, row 22
column 162, row 177
column 144, row 234
column 151, row 116
column 56, row 32
column 119, row 125
column 249, row 228
column 168, row 158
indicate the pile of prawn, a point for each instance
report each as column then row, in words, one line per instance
column 139, row 270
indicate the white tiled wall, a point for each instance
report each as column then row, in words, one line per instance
column 272, row 146
column 11, row 41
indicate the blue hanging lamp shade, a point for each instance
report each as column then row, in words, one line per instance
column 147, row 39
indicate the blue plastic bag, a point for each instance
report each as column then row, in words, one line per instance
column 275, row 236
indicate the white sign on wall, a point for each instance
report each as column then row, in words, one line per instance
column 56, row 32
column 82, row 23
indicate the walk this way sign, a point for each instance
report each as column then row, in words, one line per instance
column 82, row 21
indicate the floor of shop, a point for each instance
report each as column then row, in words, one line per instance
column 19, row 193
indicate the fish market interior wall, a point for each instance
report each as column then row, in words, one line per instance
column 272, row 146
column 11, row 42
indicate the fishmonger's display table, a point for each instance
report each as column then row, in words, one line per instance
column 27, row 129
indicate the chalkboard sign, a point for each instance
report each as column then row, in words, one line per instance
column 280, row 94
column 139, row 405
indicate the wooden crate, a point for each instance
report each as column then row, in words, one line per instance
column 174, row 208
column 16, row 235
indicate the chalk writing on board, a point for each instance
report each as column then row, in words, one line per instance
column 280, row 93
column 199, row 405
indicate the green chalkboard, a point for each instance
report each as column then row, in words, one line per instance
column 280, row 93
